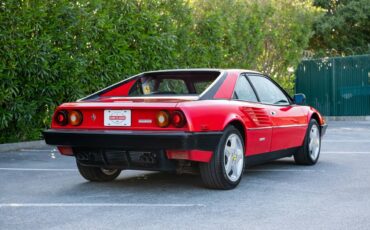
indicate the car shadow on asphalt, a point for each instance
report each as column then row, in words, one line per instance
column 145, row 182
column 141, row 181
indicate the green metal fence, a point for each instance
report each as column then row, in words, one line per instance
column 337, row 86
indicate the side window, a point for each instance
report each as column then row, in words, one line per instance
column 268, row 92
column 243, row 90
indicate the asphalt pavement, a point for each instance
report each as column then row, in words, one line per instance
column 40, row 189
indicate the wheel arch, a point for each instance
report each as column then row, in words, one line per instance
column 239, row 125
column 313, row 113
column 236, row 121
column 316, row 117
column 319, row 119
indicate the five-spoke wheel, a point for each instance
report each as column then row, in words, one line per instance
column 309, row 153
column 226, row 167
column 234, row 159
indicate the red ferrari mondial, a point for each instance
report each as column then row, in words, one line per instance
column 214, row 121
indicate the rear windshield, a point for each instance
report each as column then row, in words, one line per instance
column 176, row 83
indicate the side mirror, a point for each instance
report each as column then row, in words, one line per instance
column 299, row 99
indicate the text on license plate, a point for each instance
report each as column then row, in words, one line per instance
column 117, row 117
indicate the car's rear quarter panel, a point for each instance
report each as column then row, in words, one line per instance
column 209, row 115
column 216, row 115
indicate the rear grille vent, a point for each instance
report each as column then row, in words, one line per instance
column 124, row 158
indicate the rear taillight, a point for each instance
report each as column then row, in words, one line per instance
column 61, row 117
column 75, row 117
column 163, row 119
column 178, row 119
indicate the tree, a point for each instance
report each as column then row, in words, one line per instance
column 287, row 33
column 344, row 30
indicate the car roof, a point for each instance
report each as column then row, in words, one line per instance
column 201, row 70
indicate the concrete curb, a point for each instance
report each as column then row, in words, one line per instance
column 22, row 145
column 347, row 118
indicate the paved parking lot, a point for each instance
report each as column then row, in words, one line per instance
column 39, row 189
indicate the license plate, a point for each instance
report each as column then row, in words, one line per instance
column 117, row 117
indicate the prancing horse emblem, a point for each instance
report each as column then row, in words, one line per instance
column 93, row 117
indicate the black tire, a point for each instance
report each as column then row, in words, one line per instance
column 214, row 173
column 303, row 156
column 97, row 174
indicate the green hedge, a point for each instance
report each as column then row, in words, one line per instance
column 54, row 51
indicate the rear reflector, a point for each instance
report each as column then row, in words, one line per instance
column 193, row 155
column 178, row 154
column 65, row 150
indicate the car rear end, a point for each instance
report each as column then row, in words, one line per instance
column 129, row 132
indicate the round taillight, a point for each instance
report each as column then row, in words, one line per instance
column 178, row 119
column 75, row 117
column 163, row 119
column 61, row 117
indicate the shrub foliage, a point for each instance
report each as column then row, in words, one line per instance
column 54, row 51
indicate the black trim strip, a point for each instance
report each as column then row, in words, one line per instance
column 270, row 156
column 133, row 140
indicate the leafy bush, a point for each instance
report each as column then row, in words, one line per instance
column 344, row 30
column 59, row 50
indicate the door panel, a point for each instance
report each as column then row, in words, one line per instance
column 258, row 140
column 260, row 131
column 288, row 121
column 289, row 126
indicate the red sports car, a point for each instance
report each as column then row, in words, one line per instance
column 213, row 121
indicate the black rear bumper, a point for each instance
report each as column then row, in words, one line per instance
column 133, row 140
